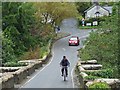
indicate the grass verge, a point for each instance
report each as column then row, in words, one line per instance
column 88, row 27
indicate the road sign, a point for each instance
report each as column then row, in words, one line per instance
column 95, row 23
column 88, row 24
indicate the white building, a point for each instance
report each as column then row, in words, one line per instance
column 97, row 11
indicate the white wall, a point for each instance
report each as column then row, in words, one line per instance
column 91, row 12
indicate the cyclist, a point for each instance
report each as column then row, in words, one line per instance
column 64, row 63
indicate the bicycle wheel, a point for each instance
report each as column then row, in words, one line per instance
column 64, row 76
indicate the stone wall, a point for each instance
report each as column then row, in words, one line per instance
column 7, row 81
column 93, row 66
column 10, row 79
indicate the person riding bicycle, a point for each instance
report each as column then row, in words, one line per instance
column 64, row 63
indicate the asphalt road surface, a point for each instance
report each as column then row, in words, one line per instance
column 50, row 75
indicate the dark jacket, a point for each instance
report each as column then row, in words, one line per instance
column 64, row 62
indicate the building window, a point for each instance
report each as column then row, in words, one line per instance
column 97, row 14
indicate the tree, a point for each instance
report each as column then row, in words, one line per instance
column 107, row 3
column 118, row 38
column 17, row 18
column 54, row 13
column 82, row 6
column 50, row 14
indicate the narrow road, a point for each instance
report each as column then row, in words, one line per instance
column 50, row 75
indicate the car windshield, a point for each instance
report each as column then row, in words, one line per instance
column 73, row 38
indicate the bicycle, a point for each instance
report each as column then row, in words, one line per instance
column 64, row 73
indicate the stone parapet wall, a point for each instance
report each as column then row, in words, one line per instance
column 92, row 66
column 21, row 73
column 9, row 80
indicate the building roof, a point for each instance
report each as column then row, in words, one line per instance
column 89, row 8
column 108, row 8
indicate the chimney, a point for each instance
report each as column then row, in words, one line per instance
column 95, row 2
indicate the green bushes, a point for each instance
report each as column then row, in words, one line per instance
column 16, row 23
column 85, row 55
column 7, row 50
column 43, row 51
column 90, row 77
column 14, row 64
column 31, row 54
column 107, row 73
column 99, row 86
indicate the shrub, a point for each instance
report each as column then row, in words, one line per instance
column 90, row 77
column 107, row 73
column 31, row 54
column 99, row 86
column 14, row 64
column 83, row 53
column 43, row 51
column 7, row 50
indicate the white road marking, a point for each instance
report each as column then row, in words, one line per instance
column 73, row 76
column 39, row 71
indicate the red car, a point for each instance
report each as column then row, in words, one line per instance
column 74, row 40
